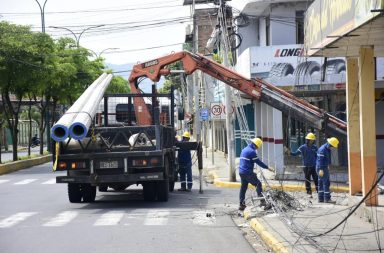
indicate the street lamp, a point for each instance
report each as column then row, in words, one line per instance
column 74, row 34
column 42, row 15
column 98, row 55
column 104, row 50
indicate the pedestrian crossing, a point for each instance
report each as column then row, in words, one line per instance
column 27, row 181
column 109, row 218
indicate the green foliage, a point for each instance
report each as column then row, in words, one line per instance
column 35, row 114
column 118, row 85
column 173, row 79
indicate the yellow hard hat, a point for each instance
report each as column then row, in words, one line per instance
column 333, row 141
column 257, row 141
column 310, row 136
column 186, row 134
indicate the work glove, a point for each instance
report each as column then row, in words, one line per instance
column 271, row 169
column 321, row 173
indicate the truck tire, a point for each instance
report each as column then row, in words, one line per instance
column 171, row 186
column 149, row 191
column 89, row 193
column 74, row 193
column 163, row 190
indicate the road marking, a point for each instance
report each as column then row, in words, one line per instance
column 50, row 181
column 111, row 218
column 25, row 181
column 156, row 218
column 204, row 217
column 61, row 219
column 14, row 219
column 3, row 181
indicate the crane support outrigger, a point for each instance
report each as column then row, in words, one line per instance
column 255, row 88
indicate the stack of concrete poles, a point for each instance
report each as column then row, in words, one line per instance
column 78, row 118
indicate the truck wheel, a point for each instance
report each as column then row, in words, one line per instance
column 171, row 186
column 89, row 193
column 149, row 191
column 74, row 193
column 162, row 190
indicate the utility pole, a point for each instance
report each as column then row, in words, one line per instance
column 47, row 125
column 228, row 97
column 195, row 75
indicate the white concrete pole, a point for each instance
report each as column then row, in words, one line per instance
column 278, row 136
column 264, row 129
column 271, row 142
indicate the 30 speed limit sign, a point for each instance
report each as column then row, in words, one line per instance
column 217, row 111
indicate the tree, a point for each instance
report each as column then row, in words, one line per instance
column 21, row 62
column 118, row 85
column 172, row 79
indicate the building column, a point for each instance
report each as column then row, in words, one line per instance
column 258, row 119
column 264, row 131
column 278, row 141
column 271, row 140
column 354, row 151
column 367, row 123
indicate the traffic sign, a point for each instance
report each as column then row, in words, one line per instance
column 204, row 114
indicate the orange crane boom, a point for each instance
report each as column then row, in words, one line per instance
column 257, row 89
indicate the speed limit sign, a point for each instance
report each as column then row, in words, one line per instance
column 217, row 111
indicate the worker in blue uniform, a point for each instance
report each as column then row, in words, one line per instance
column 308, row 152
column 185, row 165
column 322, row 162
column 248, row 158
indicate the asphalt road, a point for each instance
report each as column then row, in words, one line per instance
column 35, row 216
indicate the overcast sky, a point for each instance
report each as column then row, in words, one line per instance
column 127, row 25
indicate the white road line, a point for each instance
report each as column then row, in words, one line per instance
column 14, row 219
column 61, row 219
column 111, row 218
column 25, row 181
column 204, row 217
column 157, row 218
column 50, row 181
column 3, row 181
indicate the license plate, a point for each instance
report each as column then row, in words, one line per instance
column 109, row 164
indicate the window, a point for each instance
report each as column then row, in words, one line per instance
column 299, row 27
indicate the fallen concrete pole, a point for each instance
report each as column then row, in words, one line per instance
column 80, row 125
column 60, row 130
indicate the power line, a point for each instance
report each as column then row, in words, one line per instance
column 93, row 11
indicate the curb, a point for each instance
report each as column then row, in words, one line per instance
column 266, row 236
column 287, row 187
column 24, row 164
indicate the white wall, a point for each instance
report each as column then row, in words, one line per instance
column 250, row 35
column 282, row 33
column 243, row 65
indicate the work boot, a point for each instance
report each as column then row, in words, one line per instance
column 309, row 194
column 182, row 189
column 321, row 201
column 242, row 207
column 330, row 201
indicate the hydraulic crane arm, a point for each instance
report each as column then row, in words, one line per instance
column 258, row 89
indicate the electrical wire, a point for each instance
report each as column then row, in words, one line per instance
column 353, row 210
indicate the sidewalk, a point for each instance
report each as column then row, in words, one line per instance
column 299, row 231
